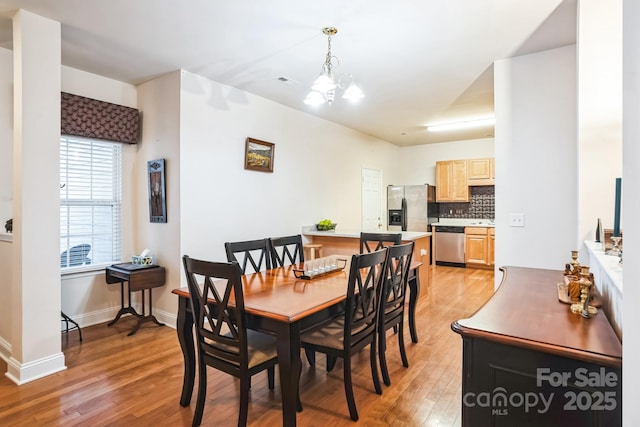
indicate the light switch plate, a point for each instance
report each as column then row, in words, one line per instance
column 516, row 220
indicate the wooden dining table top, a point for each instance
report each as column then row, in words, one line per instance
column 279, row 295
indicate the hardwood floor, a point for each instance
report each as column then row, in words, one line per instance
column 116, row 380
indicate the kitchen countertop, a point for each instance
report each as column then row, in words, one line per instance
column 355, row 234
column 464, row 222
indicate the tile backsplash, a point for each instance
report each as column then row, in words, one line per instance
column 482, row 205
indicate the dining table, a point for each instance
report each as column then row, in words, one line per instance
column 280, row 302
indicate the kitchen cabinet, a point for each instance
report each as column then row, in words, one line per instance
column 491, row 246
column 481, row 171
column 451, row 181
column 479, row 246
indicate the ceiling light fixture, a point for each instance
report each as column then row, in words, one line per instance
column 323, row 90
column 440, row 127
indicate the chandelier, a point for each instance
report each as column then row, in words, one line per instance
column 323, row 90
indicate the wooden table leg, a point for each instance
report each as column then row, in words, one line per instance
column 290, row 367
column 414, row 287
column 184, row 327
column 124, row 310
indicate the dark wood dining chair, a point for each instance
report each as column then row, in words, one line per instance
column 222, row 339
column 286, row 250
column 393, row 302
column 257, row 253
column 345, row 335
column 370, row 242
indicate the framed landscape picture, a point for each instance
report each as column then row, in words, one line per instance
column 258, row 155
column 157, row 195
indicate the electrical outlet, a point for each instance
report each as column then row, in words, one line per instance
column 516, row 220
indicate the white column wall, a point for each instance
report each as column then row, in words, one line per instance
column 35, row 293
column 599, row 113
column 536, row 158
column 631, row 210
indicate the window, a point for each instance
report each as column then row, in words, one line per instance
column 90, row 202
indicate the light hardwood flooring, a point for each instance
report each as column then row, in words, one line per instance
column 116, row 380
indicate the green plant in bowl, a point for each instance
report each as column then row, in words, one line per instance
column 325, row 225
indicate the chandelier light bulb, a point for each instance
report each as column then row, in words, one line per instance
column 314, row 98
column 353, row 93
column 323, row 90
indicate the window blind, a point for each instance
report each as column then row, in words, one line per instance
column 90, row 202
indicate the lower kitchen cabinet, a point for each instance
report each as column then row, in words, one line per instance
column 479, row 246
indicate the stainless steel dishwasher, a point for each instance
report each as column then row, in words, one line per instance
column 450, row 245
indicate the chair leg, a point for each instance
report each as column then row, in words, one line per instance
column 331, row 362
column 202, row 394
column 310, row 352
column 382, row 355
column 374, row 365
column 271, row 374
column 245, row 385
column 403, row 352
column 348, row 389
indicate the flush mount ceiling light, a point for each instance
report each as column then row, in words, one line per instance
column 440, row 127
column 323, row 90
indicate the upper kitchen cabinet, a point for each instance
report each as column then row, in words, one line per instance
column 451, row 181
column 481, row 171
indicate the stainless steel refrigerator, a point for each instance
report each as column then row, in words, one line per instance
column 411, row 207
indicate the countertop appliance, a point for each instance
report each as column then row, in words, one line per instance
column 449, row 245
column 411, row 207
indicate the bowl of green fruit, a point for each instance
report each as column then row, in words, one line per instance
column 326, row 225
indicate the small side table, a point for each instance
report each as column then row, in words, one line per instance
column 139, row 278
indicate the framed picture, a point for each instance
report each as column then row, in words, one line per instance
column 258, row 155
column 157, row 195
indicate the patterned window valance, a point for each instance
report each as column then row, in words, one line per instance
column 91, row 118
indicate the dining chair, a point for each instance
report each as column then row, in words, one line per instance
column 393, row 301
column 354, row 329
column 222, row 339
column 286, row 250
column 254, row 252
column 370, row 242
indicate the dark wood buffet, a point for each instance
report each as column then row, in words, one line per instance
column 529, row 361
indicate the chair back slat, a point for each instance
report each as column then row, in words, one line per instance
column 370, row 242
column 366, row 277
column 256, row 253
column 217, row 303
column 286, row 250
column 395, row 289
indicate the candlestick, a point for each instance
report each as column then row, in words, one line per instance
column 616, row 216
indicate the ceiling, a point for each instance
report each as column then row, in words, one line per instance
column 418, row 61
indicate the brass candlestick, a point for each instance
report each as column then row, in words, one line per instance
column 583, row 307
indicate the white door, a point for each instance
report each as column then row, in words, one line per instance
column 371, row 199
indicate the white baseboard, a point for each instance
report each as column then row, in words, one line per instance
column 107, row 315
column 22, row 373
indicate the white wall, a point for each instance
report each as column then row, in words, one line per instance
column 6, row 136
column 631, row 209
column 6, row 190
column 600, row 112
column 159, row 101
column 317, row 169
column 536, row 158
column 418, row 162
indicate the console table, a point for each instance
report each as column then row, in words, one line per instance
column 528, row 361
column 139, row 278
